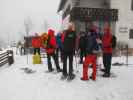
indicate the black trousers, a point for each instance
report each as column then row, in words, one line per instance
column 82, row 54
column 37, row 50
column 55, row 58
column 70, row 56
column 59, row 53
column 107, row 58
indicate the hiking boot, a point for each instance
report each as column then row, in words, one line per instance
column 106, row 75
column 51, row 70
column 71, row 77
column 59, row 70
column 92, row 78
column 84, row 79
column 63, row 77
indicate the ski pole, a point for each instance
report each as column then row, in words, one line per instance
column 76, row 63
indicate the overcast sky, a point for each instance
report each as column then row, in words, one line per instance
column 13, row 13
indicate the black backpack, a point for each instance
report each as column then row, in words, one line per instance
column 114, row 41
column 69, row 41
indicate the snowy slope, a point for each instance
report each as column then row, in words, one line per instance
column 17, row 85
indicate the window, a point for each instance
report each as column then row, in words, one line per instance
column 131, row 34
column 77, row 3
column 132, row 5
column 106, row 4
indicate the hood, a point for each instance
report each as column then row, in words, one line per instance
column 50, row 32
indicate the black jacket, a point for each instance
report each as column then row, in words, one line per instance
column 91, row 44
column 82, row 42
column 69, row 42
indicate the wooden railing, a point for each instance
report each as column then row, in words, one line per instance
column 6, row 57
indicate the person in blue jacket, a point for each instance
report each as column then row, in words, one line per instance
column 59, row 46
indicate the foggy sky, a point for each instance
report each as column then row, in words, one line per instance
column 13, row 13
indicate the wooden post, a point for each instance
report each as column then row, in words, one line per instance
column 127, row 55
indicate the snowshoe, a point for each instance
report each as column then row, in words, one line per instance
column 92, row 78
column 59, row 70
column 106, row 75
column 63, row 77
column 70, row 77
column 51, row 70
column 83, row 79
column 111, row 75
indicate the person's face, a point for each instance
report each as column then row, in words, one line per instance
column 70, row 27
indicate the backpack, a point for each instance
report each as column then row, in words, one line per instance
column 114, row 41
column 69, row 41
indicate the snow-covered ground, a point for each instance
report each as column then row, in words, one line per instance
column 17, row 85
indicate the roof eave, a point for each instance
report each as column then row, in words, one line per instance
column 61, row 5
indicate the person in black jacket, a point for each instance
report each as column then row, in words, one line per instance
column 68, row 52
column 59, row 47
column 82, row 42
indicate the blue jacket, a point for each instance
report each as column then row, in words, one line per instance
column 59, row 42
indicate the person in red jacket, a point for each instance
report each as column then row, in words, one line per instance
column 50, row 49
column 36, row 43
column 107, row 51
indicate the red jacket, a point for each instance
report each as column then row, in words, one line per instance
column 51, row 46
column 62, row 37
column 36, row 42
column 106, row 43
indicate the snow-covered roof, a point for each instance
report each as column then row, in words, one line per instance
column 61, row 5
